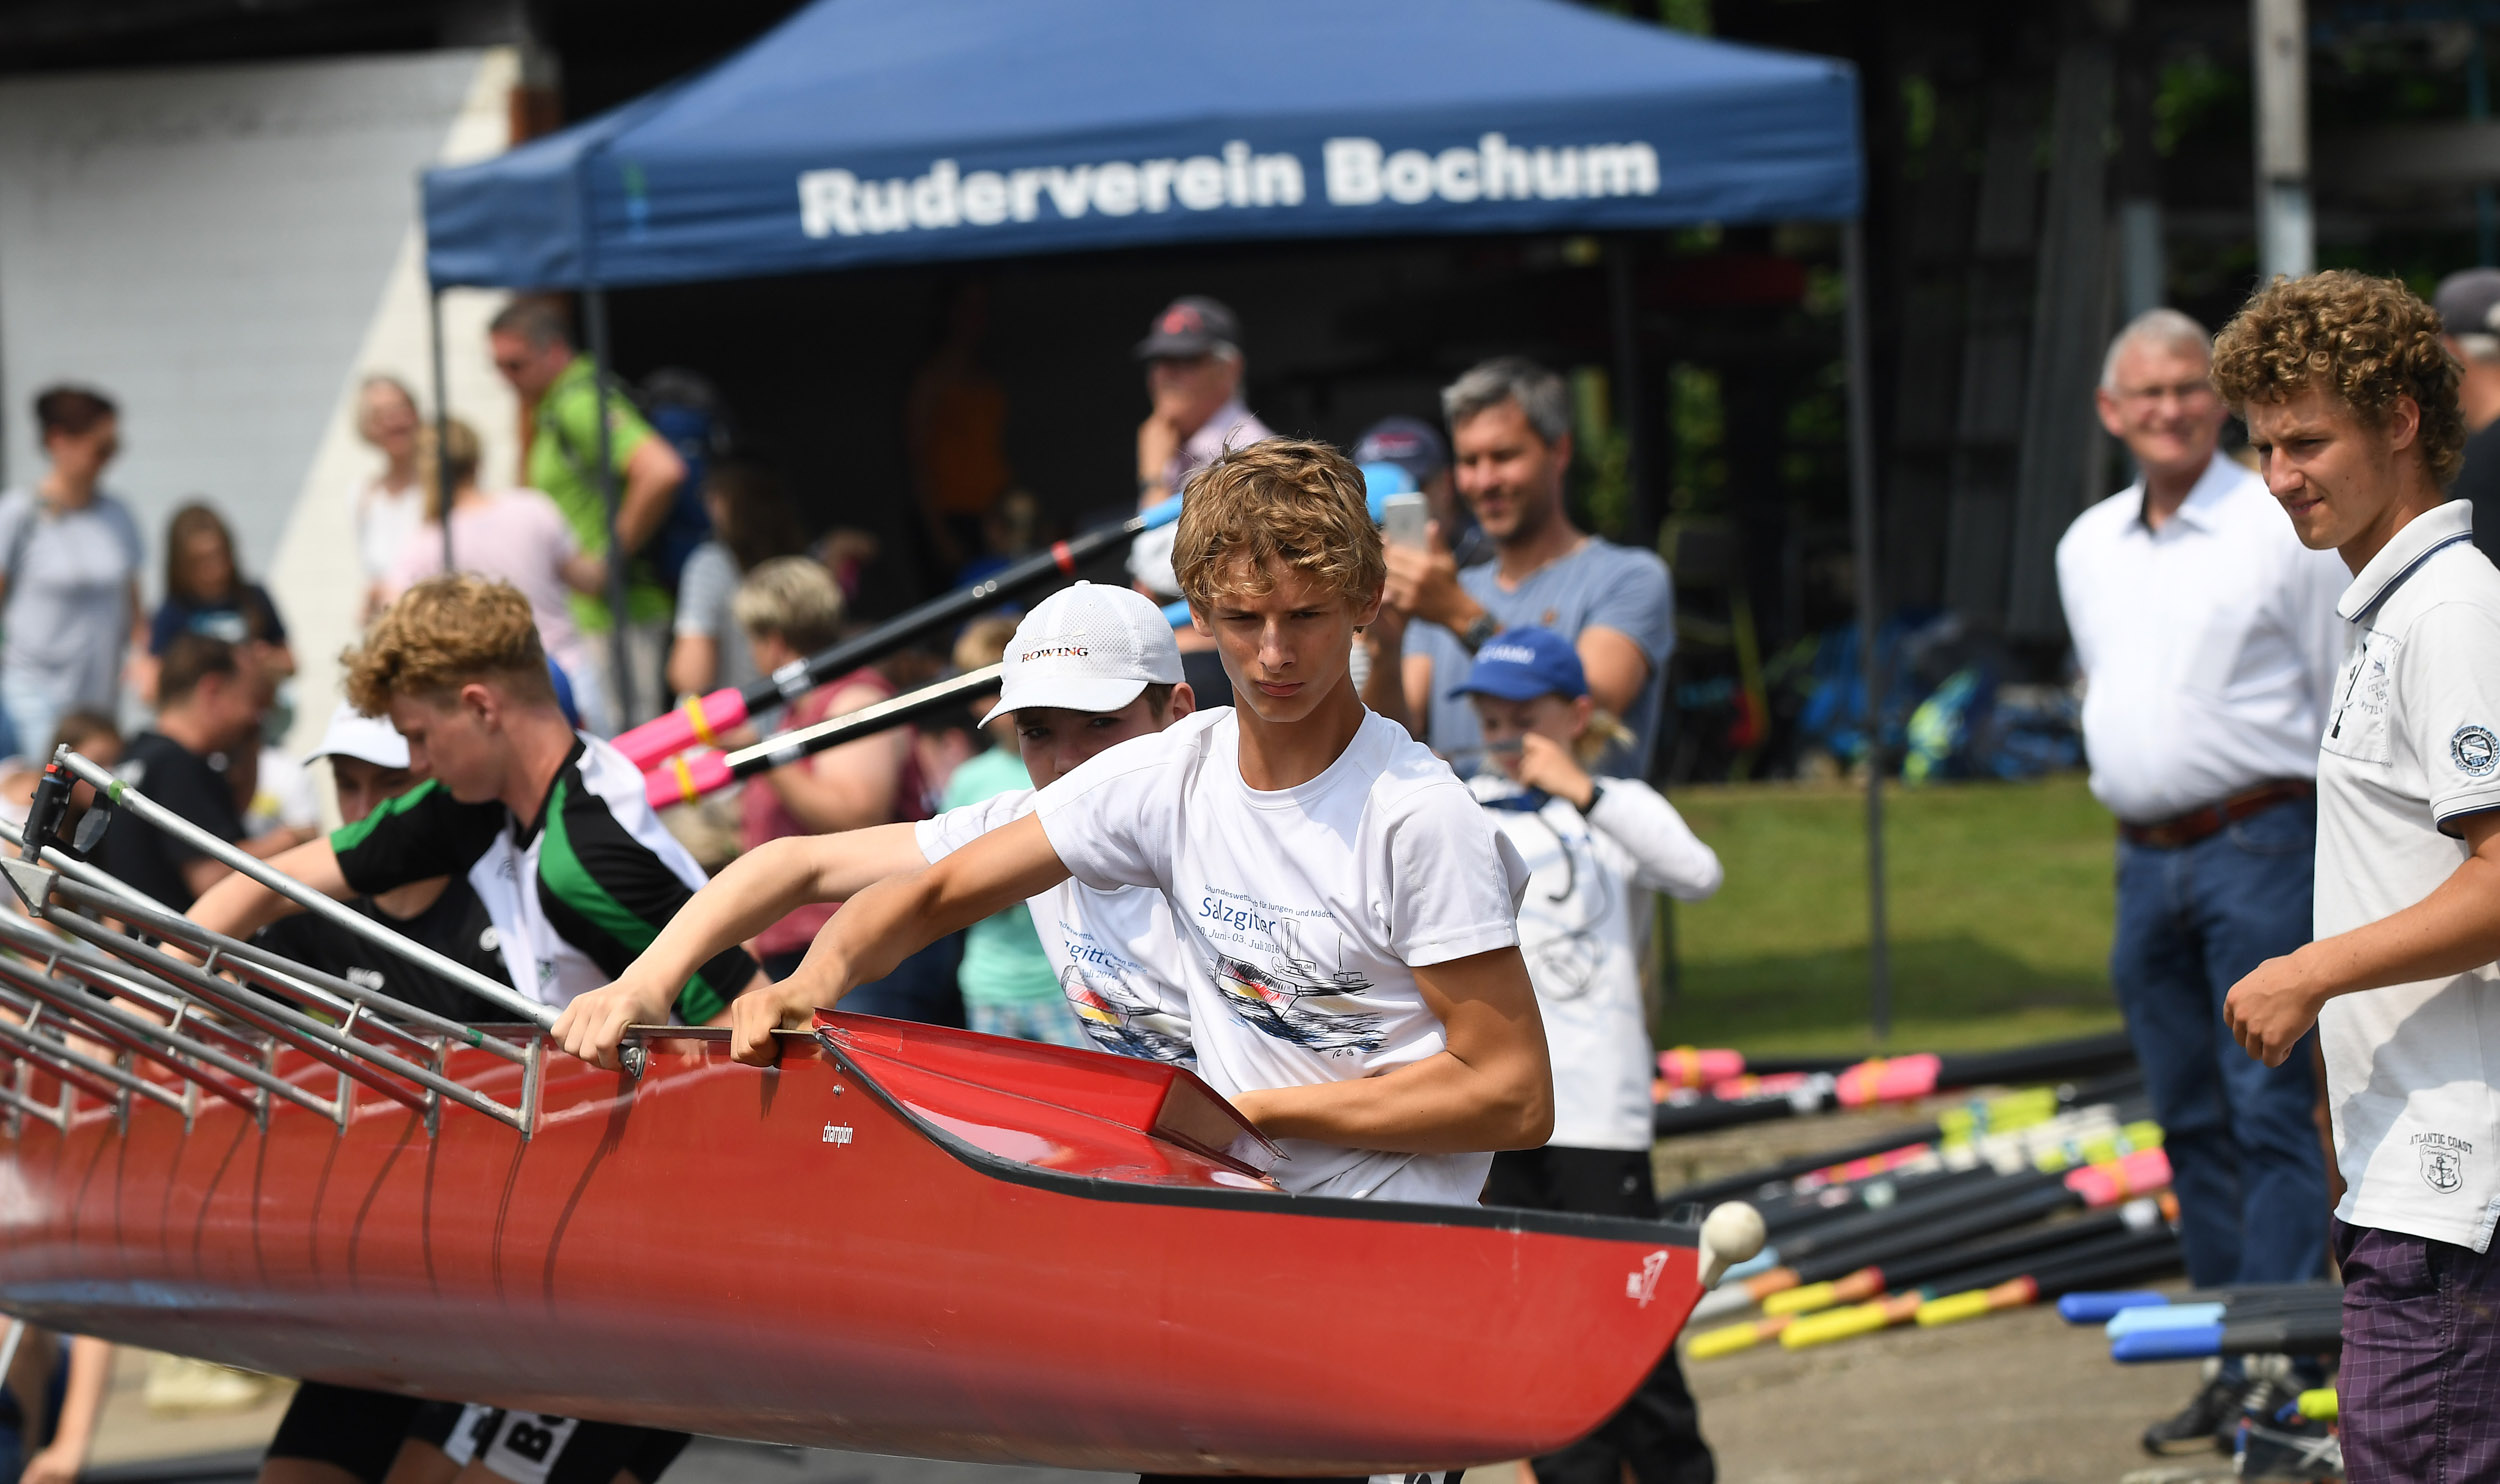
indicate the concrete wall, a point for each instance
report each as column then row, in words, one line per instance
column 228, row 251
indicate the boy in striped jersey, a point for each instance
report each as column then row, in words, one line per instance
column 551, row 829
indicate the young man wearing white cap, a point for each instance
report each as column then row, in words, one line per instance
column 1089, row 667
column 369, row 765
column 1355, row 982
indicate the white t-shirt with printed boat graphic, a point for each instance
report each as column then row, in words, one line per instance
column 1118, row 957
column 1306, row 910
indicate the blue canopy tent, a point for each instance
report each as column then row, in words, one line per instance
column 866, row 132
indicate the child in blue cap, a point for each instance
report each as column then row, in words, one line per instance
column 1597, row 847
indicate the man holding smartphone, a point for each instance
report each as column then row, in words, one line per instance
column 1510, row 425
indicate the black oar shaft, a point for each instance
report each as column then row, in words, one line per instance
column 1854, row 1232
column 797, row 678
column 1955, row 1226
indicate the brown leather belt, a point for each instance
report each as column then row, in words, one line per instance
column 2186, row 829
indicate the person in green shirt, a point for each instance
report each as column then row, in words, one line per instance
column 1009, row 986
column 532, row 344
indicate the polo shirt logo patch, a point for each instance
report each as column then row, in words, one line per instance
column 2443, row 1161
column 2474, row 750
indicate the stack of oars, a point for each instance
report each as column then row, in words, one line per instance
column 2255, row 1319
column 2060, row 1194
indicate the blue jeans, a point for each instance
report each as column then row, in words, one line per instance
column 2242, row 1139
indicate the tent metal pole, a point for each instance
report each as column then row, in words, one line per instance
column 595, row 314
column 1624, row 313
column 442, row 422
column 1862, row 533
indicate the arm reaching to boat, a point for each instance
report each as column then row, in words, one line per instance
column 753, row 892
column 238, row 906
column 893, row 919
column 1490, row 1088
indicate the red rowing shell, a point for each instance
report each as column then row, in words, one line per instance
column 904, row 1239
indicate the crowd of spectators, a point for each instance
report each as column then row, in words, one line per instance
column 190, row 701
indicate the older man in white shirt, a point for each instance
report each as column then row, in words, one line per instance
column 2208, row 640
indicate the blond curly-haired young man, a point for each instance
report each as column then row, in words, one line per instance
column 2351, row 404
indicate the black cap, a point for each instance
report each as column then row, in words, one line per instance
column 2469, row 302
column 1190, row 326
column 1408, row 442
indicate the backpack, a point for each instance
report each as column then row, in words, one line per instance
column 683, row 408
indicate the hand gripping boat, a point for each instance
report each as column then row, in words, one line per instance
column 903, row 1239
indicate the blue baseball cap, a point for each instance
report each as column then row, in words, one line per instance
column 1408, row 442
column 1523, row 664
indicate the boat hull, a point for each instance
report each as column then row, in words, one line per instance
column 900, row 1240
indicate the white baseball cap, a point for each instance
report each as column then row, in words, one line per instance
column 1088, row 648
column 369, row 739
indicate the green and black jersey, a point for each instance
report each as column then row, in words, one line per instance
column 575, row 895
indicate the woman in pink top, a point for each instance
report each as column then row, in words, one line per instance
column 519, row 536
column 789, row 608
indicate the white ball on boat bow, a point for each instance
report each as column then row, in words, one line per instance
column 1730, row 1234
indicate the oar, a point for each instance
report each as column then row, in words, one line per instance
column 2101, row 1306
column 682, row 781
column 2317, row 1332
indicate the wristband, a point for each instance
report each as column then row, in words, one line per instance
column 1597, row 791
column 1480, row 633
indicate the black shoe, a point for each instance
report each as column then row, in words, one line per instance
column 2213, row 1417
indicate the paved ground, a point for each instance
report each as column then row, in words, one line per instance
column 2010, row 1399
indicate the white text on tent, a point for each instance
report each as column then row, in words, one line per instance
column 836, row 201
column 1358, row 174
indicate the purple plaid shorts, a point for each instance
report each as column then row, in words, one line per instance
column 2420, row 1387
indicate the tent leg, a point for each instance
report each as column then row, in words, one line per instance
column 595, row 313
column 442, row 427
column 1870, row 611
column 1624, row 311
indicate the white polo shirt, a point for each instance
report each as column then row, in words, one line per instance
column 2412, row 744
column 2207, row 646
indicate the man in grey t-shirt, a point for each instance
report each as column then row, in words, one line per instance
column 69, row 573
column 1510, row 426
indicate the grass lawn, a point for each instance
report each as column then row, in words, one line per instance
column 2001, row 907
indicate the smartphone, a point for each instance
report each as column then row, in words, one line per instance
column 1402, row 520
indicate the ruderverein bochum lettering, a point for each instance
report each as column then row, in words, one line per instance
column 1355, row 171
